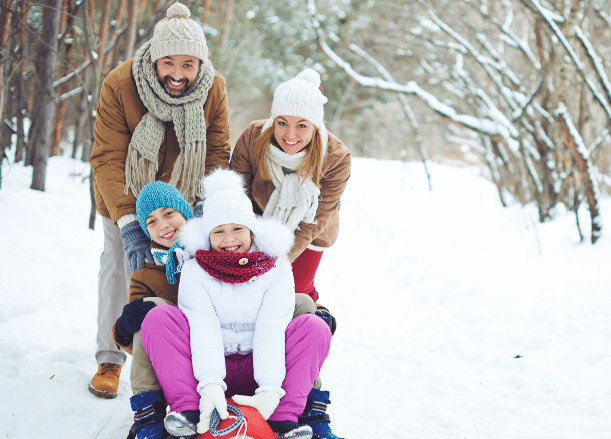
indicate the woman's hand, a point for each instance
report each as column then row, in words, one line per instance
column 212, row 397
column 265, row 402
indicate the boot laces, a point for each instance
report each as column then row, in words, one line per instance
column 109, row 367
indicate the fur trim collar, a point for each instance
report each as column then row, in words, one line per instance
column 273, row 237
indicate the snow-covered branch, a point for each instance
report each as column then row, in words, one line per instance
column 596, row 61
column 72, row 74
column 69, row 94
column 487, row 127
column 551, row 18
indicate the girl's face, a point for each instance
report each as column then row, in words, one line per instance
column 163, row 225
column 230, row 238
column 293, row 133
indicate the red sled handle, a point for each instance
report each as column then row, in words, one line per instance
column 215, row 420
column 252, row 421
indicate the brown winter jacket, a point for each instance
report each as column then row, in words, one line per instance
column 150, row 281
column 335, row 169
column 118, row 112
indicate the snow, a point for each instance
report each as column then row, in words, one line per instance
column 457, row 318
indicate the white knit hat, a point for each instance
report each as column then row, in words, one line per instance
column 177, row 34
column 300, row 97
column 225, row 202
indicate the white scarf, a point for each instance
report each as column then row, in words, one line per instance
column 294, row 199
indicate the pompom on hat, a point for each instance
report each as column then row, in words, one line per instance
column 300, row 97
column 177, row 34
column 225, row 202
column 159, row 194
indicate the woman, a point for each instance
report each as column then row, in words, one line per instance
column 295, row 171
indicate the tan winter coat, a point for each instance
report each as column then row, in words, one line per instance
column 119, row 110
column 335, row 169
column 150, row 281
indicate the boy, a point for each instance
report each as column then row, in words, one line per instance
column 161, row 212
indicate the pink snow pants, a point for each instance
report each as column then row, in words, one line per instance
column 165, row 337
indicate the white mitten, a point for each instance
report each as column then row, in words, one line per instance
column 265, row 402
column 213, row 397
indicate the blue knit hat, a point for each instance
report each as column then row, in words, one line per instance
column 153, row 196
column 159, row 194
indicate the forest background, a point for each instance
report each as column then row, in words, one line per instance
column 517, row 88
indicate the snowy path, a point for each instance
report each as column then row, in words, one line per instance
column 435, row 293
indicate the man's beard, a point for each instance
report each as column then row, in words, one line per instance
column 173, row 92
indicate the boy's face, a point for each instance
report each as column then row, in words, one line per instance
column 163, row 225
column 230, row 238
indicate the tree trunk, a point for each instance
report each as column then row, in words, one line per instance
column 133, row 17
column 4, row 28
column 81, row 119
column 61, row 108
column 103, row 33
column 580, row 156
column 20, row 82
column 93, row 203
column 45, row 97
column 227, row 26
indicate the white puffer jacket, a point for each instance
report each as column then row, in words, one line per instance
column 259, row 311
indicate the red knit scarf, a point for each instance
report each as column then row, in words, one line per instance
column 226, row 267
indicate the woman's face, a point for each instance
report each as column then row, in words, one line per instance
column 230, row 238
column 293, row 133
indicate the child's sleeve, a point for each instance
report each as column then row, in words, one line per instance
column 269, row 340
column 206, row 338
column 138, row 289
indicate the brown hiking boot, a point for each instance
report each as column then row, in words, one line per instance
column 106, row 382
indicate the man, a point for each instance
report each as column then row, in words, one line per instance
column 161, row 116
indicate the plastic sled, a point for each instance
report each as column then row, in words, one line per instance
column 247, row 423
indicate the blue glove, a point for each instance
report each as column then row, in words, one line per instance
column 198, row 210
column 133, row 314
column 137, row 246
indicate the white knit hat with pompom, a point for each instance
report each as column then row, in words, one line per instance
column 300, row 97
column 225, row 202
column 177, row 34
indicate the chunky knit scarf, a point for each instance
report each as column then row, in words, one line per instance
column 234, row 268
column 187, row 113
column 294, row 199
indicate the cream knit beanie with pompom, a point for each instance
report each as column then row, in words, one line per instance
column 300, row 97
column 177, row 34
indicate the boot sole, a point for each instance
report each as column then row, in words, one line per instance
column 177, row 425
column 102, row 393
column 302, row 432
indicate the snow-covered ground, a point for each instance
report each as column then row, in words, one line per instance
column 457, row 318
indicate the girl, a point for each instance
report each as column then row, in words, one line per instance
column 232, row 335
column 296, row 172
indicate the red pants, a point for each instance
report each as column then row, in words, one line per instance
column 304, row 270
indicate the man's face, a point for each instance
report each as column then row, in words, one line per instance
column 177, row 72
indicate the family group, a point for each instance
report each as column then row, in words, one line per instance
column 210, row 252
